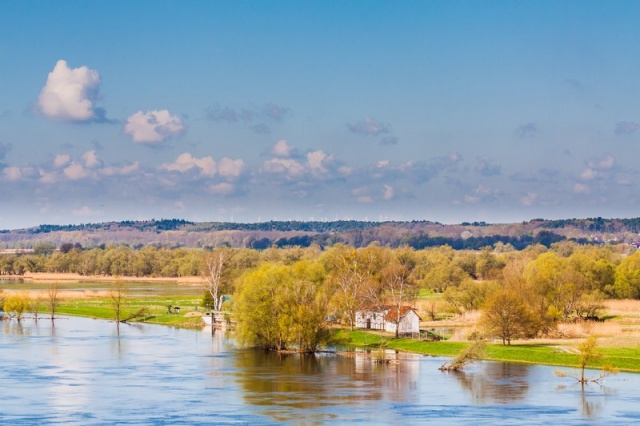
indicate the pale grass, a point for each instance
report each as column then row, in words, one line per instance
column 73, row 277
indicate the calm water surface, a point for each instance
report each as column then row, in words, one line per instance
column 79, row 371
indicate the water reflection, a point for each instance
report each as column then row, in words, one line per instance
column 285, row 384
column 13, row 326
column 81, row 372
column 496, row 382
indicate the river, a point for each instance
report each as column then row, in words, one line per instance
column 80, row 371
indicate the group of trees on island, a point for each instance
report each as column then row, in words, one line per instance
column 284, row 298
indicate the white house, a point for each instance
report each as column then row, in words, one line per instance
column 385, row 318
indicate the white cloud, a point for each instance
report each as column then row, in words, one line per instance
column 70, row 93
column 286, row 166
column 12, row 173
column 122, row 171
column 90, row 159
column 598, row 169
column 316, row 161
column 223, row 188
column 61, row 160
column 282, row 149
column 47, row 177
column 75, row 171
column 230, row 168
column 153, row 126
column 186, row 161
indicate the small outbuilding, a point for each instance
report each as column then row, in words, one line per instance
column 385, row 318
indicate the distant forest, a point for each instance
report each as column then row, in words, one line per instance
column 175, row 233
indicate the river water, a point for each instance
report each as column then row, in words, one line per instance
column 80, row 371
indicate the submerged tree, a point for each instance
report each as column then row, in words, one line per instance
column 16, row 304
column 470, row 354
column 117, row 299
column 588, row 354
column 52, row 298
column 281, row 307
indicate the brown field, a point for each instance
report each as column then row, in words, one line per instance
column 43, row 276
column 621, row 327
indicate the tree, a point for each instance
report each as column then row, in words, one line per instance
column 279, row 307
column 507, row 316
column 52, row 298
column 213, row 275
column 397, row 284
column 117, row 299
column 16, row 304
column 352, row 275
column 588, row 354
column 627, row 284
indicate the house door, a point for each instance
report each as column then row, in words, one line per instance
column 368, row 323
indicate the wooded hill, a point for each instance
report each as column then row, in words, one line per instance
column 173, row 233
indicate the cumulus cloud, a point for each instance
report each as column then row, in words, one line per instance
column 598, row 169
column 527, row 130
column 91, row 160
column 282, row 149
column 286, row 166
column 626, row 128
column 75, row 171
column 368, row 127
column 61, row 160
column 70, row 94
column 229, row 168
column 317, row 161
column 153, row 126
column 186, row 161
column 121, row 171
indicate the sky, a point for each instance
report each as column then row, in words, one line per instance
column 249, row 111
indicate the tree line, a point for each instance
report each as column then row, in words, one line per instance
column 284, row 298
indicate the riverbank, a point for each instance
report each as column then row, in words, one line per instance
column 526, row 351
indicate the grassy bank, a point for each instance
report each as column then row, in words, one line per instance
column 625, row 359
column 156, row 310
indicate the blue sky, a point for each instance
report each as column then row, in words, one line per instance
column 258, row 110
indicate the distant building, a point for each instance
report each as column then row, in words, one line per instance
column 385, row 318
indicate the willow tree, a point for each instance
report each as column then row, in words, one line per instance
column 282, row 307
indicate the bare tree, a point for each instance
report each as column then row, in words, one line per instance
column 398, row 289
column 117, row 298
column 52, row 294
column 213, row 270
column 35, row 304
